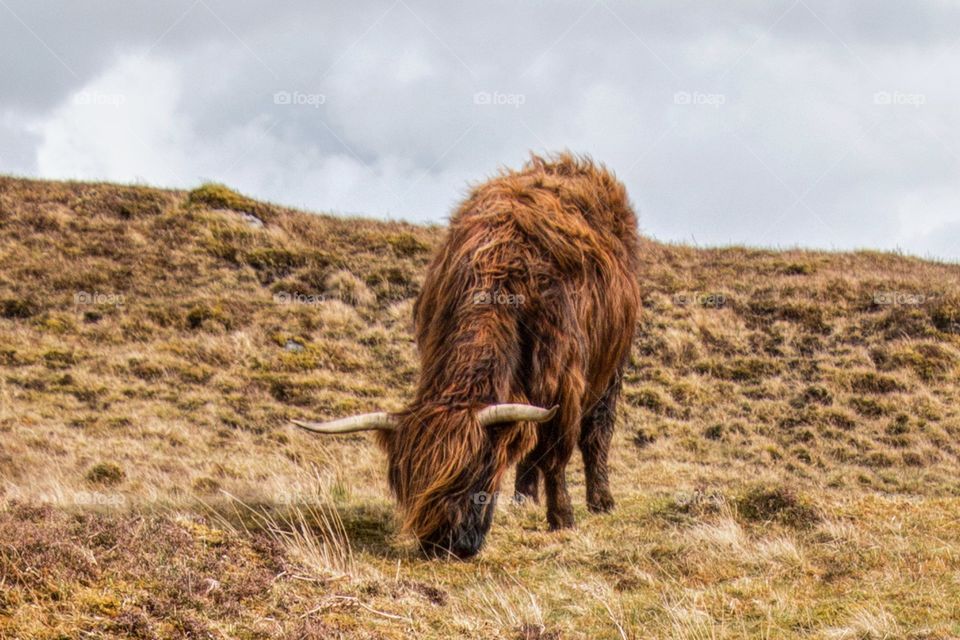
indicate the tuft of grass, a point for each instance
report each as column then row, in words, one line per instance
column 106, row 473
column 407, row 244
column 776, row 502
column 17, row 308
column 930, row 361
column 647, row 398
column 743, row 370
column 643, row 438
column 349, row 288
column 814, row 394
column 218, row 196
column 311, row 533
column 945, row 313
column 207, row 316
column 871, row 382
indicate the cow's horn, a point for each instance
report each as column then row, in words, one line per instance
column 363, row 422
column 497, row 413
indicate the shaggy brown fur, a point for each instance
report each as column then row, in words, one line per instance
column 532, row 298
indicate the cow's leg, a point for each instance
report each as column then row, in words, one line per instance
column 527, row 484
column 596, row 433
column 559, row 507
column 563, row 431
column 555, row 444
column 556, row 376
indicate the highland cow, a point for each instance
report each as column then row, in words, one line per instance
column 523, row 326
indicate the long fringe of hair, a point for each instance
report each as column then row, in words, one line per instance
column 532, row 293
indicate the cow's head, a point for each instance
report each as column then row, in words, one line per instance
column 445, row 466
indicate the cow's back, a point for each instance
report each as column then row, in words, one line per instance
column 547, row 257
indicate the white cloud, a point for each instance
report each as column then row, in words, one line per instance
column 124, row 125
column 398, row 131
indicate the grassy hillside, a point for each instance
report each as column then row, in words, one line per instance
column 785, row 464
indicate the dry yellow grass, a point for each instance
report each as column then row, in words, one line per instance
column 785, row 463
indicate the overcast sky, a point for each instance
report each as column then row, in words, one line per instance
column 818, row 123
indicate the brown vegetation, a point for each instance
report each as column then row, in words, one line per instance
column 786, row 455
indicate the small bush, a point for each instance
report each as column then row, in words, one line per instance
column 808, row 344
column 10, row 357
column 204, row 316
column 879, row 459
column 808, row 315
column 59, row 358
column 349, row 288
column 124, row 203
column 899, row 426
column 145, row 370
column 647, row 398
column 912, row 459
column 393, row 284
column 643, row 438
column 288, row 391
column 779, row 503
column 278, row 261
column 406, row 244
column 814, row 394
column 739, row 369
column 945, row 314
column 797, row 269
column 868, row 407
column 206, row 485
column 106, row 473
column 929, row 360
column 871, row 382
column 904, row 322
column 218, row 196
column 713, row 432
column 17, row 309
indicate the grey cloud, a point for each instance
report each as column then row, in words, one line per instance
column 745, row 122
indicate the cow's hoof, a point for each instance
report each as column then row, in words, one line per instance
column 600, row 504
column 560, row 521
